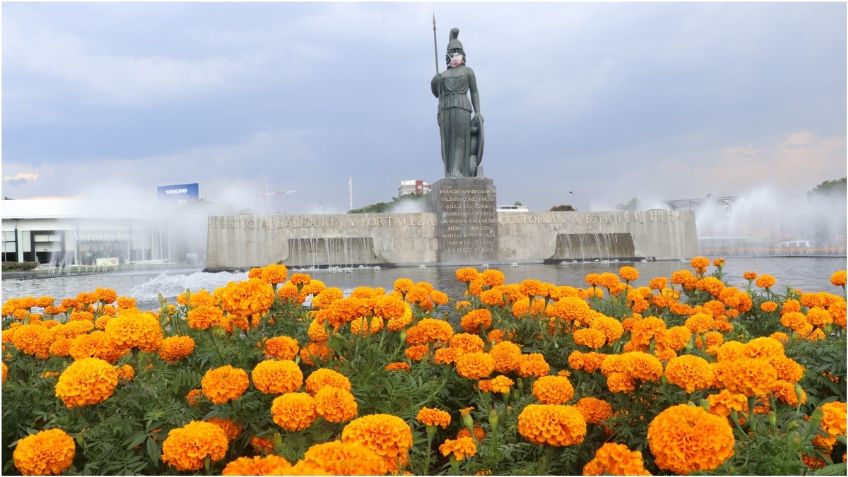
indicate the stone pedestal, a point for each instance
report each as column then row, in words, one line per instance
column 466, row 220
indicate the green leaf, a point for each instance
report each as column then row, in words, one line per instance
column 135, row 439
column 153, row 450
column 833, row 469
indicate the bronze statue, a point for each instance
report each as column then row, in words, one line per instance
column 461, row 134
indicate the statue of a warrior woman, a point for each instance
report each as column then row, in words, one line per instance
column 462, row 136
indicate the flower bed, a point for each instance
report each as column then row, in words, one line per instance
column 687, row 375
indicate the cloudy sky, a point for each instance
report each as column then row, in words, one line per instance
column 588, row 104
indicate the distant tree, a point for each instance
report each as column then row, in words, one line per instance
column 829, row 188
column 381, row 207
column 632, row 205
column 518, row 204
column 563, row 208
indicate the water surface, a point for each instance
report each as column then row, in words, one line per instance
column 809, row 274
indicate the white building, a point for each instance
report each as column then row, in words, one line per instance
column 84, row 232
column 415, row 186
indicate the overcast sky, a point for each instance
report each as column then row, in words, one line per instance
column 588, row 104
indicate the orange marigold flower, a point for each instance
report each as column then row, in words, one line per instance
column 589, row 362
column 768, row 306
column 460, row 448
column 135, row 330
column 429, row 330
column 289, row 293
column 466, row 274
column 49, row 452
column 700, row 323
column 86, row 382
column 751, row 377
column 326, row 377
column 553, row 390
column 723, row 403
column 466, row 342
column 175, row 348
column 684, row 278
column 277, row 376
column 500, row 384
column 787, row 369
column 615, row 459
column 594, row 410
column 125, row 372
column 493, row 297
column 839, row 278
column 186, row 447
column 203, row 317
column 533, row 364
column 429, row 416
column 335, row 404
column 95, row 345
column 262, row 445
column 700, row 263
column 398, row 366
column 689, row 372
column 589, row 337
column 766, row 281
column 294, row 411
column 569, row 309
column 833, row 418
column 257, row 465
column 819, row 317
column 551, row 424
column 281, row 347
column 343, row 458
column 417, row 352
column 34, row 340
column 492, row 277
column 247, row 298
column 388, row 436
column 628, row 273
column 675, row 338
column 224, row 384
column 506, row 355
column 5, row 372
column 403, row 285
column 789, row 393
column 476, row 321
column 476, row 365
column 763, row 347
column 315, row 351
column 230, row 428
column 534, row 288
column 359, row 326
column 326, row 297
column 685, row 439
column 193, row 397
column 479, row 433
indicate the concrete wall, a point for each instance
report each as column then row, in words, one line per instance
column 409, row 239
column 659, row 234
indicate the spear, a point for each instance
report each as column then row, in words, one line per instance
column 435, row 47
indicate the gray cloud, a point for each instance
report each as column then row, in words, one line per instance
column 609, row 101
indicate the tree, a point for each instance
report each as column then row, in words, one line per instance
column 829, row 188
column 381, row 207
column 563, row 208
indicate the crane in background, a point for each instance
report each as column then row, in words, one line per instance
column 265, row 194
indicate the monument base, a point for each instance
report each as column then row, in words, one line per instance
column 466, row 220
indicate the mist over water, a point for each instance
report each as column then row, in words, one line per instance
column 766, row 220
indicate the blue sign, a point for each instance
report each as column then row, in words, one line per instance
column 179, row 192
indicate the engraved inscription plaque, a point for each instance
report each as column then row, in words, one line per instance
column 466, row 219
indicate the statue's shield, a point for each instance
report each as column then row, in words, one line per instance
column 477, row 141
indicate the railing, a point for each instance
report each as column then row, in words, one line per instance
column 773, row 251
